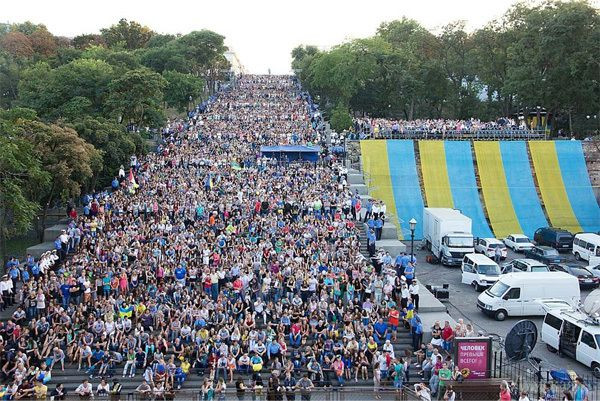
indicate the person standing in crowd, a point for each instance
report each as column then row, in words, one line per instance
column 580, row 390
column 504, row 391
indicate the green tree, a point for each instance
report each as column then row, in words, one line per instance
column 166, row 58
column 47, row 90
column 84, row 41
column 553, row 61
column 181, row 89
column 27, row 27
column 113, row 141
column 490, row 51
column 9, row 80
column 340, row 118
column 456, row 47
column 136, row 94
column 67, row 158
column 159, row 40
column 21, row 173
column 129, row 34
column 202, row 49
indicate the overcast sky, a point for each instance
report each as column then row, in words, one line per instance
column 261, row 32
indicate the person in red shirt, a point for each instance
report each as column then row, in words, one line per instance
column 394, row 321
column 504, row 391
column 237, row 288
column 295, row 335
column 447, row 336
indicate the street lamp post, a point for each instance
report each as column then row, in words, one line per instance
column 412, row 224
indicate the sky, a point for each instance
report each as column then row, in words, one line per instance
column 261, row 32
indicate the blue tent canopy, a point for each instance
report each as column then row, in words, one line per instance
column 291, row 152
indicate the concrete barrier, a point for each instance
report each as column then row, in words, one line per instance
column 393, row 246
column 51, row 233
column 37, row 250
column 360, row 188
column 355, row 179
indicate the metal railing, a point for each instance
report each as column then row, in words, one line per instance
column 480, row 135
column 353, row 393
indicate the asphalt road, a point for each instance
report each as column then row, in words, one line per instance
column 463, row 304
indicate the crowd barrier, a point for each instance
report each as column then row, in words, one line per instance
column 483, row 134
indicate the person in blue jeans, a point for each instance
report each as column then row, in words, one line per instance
column 381, row 332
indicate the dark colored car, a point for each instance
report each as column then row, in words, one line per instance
column 544, row 254
column 557, row 238
column 586, row 278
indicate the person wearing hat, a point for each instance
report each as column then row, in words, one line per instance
column 371, row 238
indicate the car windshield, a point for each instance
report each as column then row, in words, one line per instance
column 489, row 270
column 498, row 289
column 577, row 271
column 565, row 239
column 460, row 242
column 522, row 240
column 551, row 252
column 495, row 245
column 539, row 268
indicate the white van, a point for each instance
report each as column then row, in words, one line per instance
column 574, row 334
column 479, row 271
column 514, row 294
column 586, row 246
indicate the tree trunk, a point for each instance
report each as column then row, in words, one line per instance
column 411, row 111
column 570, row 123
column 45, row 214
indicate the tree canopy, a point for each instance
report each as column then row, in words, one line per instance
column 73, row 110
column 544, row 54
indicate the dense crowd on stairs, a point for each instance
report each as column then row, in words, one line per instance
column 208, row 267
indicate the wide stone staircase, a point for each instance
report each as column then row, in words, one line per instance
column 71, row 377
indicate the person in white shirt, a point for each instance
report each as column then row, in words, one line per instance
column 6, row 286
column 414, row 294
column 85, row 389
column 382, row 211
column 103, row 389
column 375, row 210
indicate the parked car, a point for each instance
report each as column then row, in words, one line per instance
column 586, row 278
column 518, row 242
column 488, row 246
column 557, row 238
column 524, row 265
column 595, row 270
column 544, row 254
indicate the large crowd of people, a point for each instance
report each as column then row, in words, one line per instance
column 385, row 128
column 208, row 259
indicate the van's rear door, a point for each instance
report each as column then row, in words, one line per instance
column 551, row 330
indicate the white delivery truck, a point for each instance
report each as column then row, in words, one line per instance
column 518, row 294
column 447, row 233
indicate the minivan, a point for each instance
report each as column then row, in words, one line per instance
column 586, row 246
column 574, row 334
column 557, row 238
column 479, row 271
column 515, row 294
